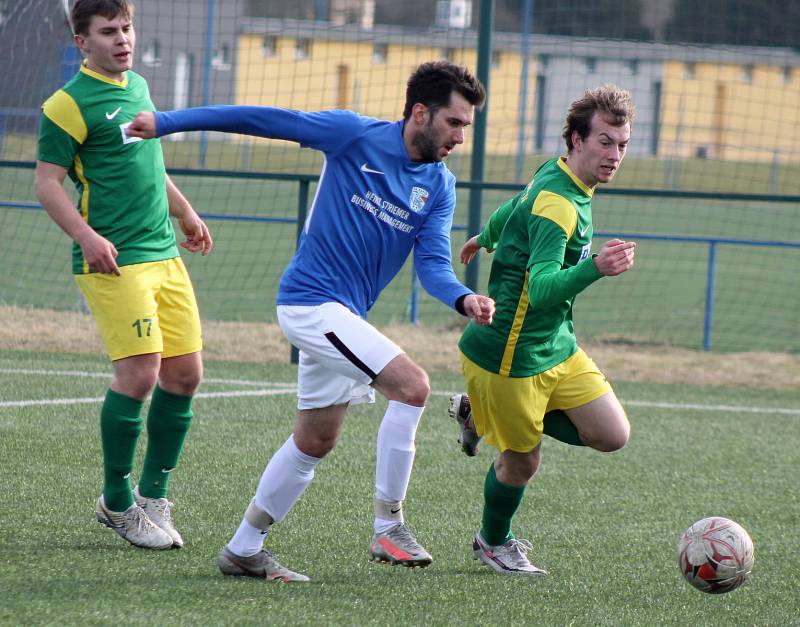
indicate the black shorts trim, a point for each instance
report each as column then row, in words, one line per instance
column 348, row 354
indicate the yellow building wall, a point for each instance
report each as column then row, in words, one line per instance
column 345, row 75
column 717, row 111
column 729, row 115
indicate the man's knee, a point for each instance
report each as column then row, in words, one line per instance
column 417, row 388
column 316, row 431
column 135, row 376
column 514, row 468
column 315, row 444
column 611, row 439
column 181, row 375
column 404, row 381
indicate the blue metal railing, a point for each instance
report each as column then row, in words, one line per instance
column 304, row 181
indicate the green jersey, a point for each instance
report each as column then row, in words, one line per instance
column 542, row 241
column 121, row 180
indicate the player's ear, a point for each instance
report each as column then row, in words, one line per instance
column 577, row 140
column 80, row 42
column 419, row 113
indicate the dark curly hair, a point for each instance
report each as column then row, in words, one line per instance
column 432, row 84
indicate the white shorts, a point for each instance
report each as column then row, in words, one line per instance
column 340, row 354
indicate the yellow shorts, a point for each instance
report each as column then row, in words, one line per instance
column 509, row 411
column 150, row 308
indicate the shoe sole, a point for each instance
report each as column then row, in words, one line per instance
column 470, row 449
column 242, row 571
column 382, row 559
column 236, row 569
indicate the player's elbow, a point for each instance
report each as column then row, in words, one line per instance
column 41, row 187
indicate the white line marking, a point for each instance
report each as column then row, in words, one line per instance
column 279, row 388
column 100, row 399
column 278, row 391
column 731, row 408
column 107, row 375
column 53, row 401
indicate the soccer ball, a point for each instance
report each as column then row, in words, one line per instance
column 715, row 555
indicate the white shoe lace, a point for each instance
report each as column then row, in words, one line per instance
column 140, row 519
column 516, row 552
column 163, row 506
column 403, row 534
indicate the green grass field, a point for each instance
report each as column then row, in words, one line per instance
column 605, row 526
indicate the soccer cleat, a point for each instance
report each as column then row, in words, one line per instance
column 398, row 546
column 509, row 558
column 461, row 412
column 263, row 565
column 134, row 525
column 160, row 512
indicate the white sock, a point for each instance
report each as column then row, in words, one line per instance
column 283, row 482
column 395, row 456
column 248, row 540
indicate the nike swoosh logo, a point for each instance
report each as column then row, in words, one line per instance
column 583, row 231
column 126, row 475
column 368, row 170
column 394, row 511
column 166, row 470
column 111, row 116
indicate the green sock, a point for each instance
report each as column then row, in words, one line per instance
column 167, row 425
column 120, row 426
column 500, row 503
column 558, row 425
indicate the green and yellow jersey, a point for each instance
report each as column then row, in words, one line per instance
column 121, row 180
column 542, row 240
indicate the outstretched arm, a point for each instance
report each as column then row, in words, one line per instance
column 247, row 120
column 322, row 130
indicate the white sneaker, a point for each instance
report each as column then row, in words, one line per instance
column 263, row 565
column 509, row 558
column 160, row 512
column 133, row 525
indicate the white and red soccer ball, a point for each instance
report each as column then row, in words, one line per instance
column 715, row 555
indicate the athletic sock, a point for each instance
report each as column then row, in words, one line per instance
column 282, row 483
column 500, row 503
column 558, row 425
column 120, row 426
column 168, row 423
column 395, row 458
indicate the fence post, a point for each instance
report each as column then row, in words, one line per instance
column 302, row 213
column 709, row 315
column 207, row 69
column 479, row 135
column 413, row 316
column 522, row 120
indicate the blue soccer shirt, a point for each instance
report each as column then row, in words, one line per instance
column 373, row 205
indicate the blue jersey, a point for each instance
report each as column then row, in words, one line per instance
column 373, row 205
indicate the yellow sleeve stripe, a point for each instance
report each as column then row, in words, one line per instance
column 63, row 111
column 557, row 209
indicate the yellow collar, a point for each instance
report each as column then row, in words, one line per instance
column 85, row 69
column 562, row 163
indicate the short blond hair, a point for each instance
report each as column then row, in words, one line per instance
column 613, row 103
